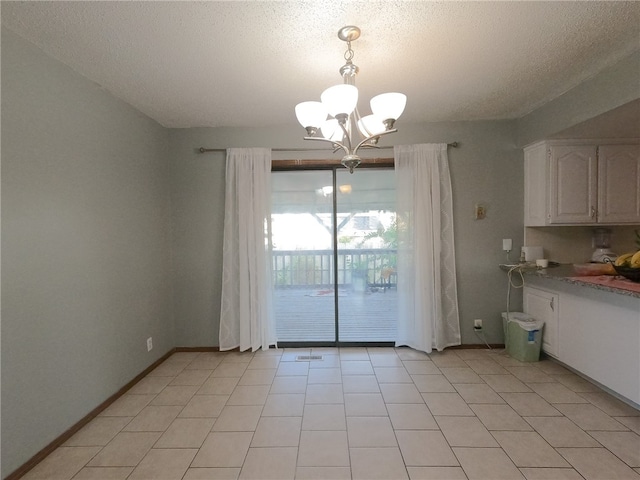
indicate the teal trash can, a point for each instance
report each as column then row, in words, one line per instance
column 522, row 336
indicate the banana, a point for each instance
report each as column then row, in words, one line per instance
column 635, row 260
column 623, row 259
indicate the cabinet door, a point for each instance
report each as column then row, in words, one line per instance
column 535, row 185
column 600, row 335
column 543, row 305
column 619, row 184
column 573, row 171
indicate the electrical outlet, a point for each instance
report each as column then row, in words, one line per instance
column 477, row 324
column 507, row 244
column 480, row 211
column 149, row 344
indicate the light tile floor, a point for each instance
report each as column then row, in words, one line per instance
column 376, row 413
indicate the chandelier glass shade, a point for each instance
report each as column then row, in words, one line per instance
column 336, row 119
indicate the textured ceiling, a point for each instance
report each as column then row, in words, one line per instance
column 189, row 64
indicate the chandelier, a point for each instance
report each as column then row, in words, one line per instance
column 339, row 103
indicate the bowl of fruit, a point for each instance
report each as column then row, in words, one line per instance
column 628, row 264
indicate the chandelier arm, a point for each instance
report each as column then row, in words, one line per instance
column 363, row 142
column 346, row 134
column 335, row 144
column 357, row 121
column 358, row 118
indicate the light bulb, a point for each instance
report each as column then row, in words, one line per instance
column 370, row 125
column 311, row 114
column 388, row 105
column 340, row 99
column 331, row 130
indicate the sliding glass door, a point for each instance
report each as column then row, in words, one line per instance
column 303, row 257
column 366, row 249
column 334, row 256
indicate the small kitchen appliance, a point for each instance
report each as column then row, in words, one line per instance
column 532, row 253
column 601, row 241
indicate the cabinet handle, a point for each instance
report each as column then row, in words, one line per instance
column 593, row 212
column 551, row 304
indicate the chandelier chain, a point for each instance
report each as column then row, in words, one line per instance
column 348, row 55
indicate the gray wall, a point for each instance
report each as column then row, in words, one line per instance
column 615, row 86
column 85, row 247
column 485, row 168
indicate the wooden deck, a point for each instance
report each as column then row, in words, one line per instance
column 307, row 315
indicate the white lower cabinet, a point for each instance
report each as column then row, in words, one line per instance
column 544, row 305
column 602, row 340
column 595, row 332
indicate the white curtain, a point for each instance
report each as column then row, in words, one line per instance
column 246, row 313
column 427, row 294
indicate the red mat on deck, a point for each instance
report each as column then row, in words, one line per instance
column 611, row 281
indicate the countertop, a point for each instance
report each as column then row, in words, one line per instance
column 566, row 273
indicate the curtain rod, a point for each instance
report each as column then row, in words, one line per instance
column 205, row 150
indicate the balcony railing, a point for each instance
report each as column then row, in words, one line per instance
column 315, row 268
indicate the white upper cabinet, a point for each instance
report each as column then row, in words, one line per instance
column 580, row 183
column 535, row 185
column 619, row 184
column 573, row 184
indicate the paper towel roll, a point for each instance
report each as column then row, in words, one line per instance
column 532, row 253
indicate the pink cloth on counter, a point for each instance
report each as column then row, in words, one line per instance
column 611, row 281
